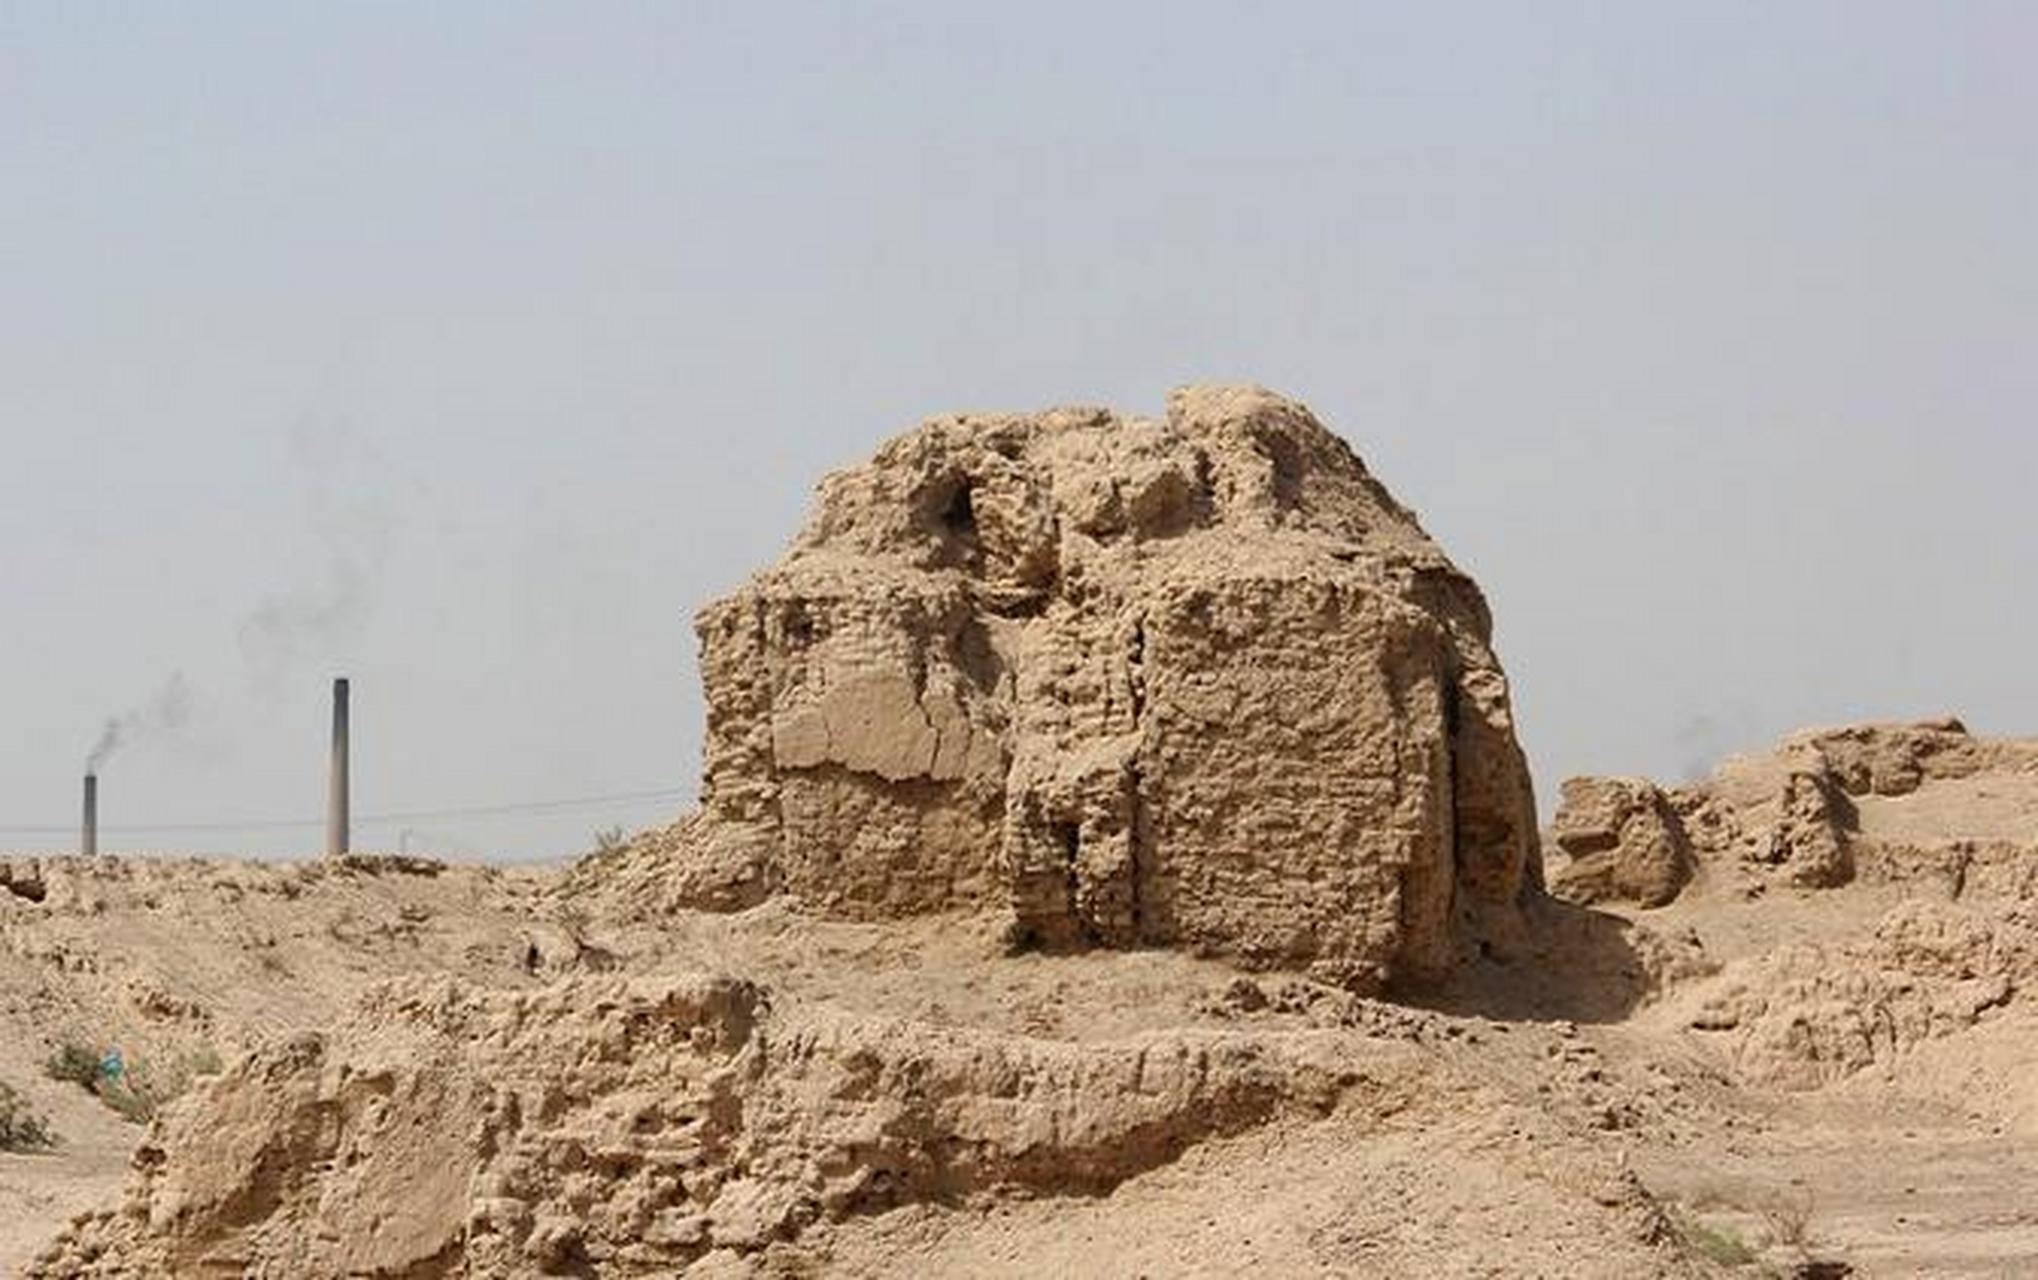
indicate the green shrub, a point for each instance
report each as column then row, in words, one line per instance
column 134, row 1095
column 1715, row 1244
column 21, row 1129
column 75, row 1062
column 139, row 1090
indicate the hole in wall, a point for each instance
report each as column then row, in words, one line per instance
column 959, row 514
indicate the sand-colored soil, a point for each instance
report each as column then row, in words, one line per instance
column 1577, row 1111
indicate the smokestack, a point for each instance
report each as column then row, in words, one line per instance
column 336, row 798
column 88, row 840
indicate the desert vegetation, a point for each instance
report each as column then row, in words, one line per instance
column 136, row 1089
column 22, row 1128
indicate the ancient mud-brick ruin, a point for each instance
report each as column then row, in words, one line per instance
column 1199, row 681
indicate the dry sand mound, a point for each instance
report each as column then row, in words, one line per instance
column 637, row 1125
column 1937, row 829
column 181, row 963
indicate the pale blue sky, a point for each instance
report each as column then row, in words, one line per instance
column 466, row 348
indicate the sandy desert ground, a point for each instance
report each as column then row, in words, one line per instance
column 1524, row 1120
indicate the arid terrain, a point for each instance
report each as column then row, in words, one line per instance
column 1114, row 859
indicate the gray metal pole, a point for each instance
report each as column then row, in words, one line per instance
column 88, row 841
column 336, row 799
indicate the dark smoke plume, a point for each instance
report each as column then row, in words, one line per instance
column 352, row 500
column 1703, row 740
column 168, row 711
column 286, row 630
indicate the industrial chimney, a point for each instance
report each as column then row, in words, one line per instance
column 336, row 797
column 88, row 839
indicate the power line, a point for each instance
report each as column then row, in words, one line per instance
column 411, row 815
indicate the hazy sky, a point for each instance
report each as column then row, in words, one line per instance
column 466, row 348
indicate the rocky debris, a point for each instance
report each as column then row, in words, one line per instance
column 1624, row 841
column 635, row 1126
column 1946, row 821
column 694, row 864
column 1195, row 682
column 1809, row 1014
column 1813, row 838
column 1894, row 759
column 22, row 878
column 1791, row 815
